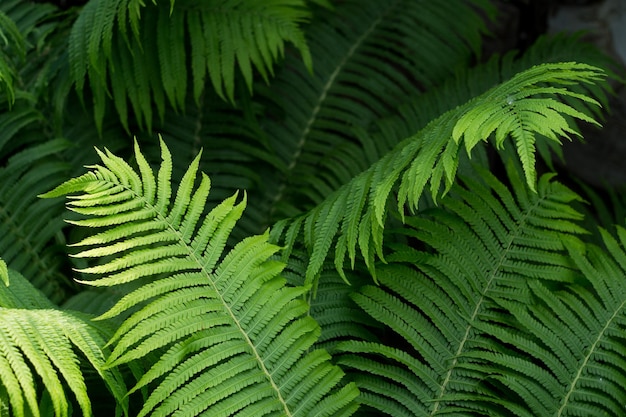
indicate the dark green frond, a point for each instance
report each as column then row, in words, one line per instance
column 229, row 336
column 369, row 55
column 430, row 158
column 568, row 352
column 148, row 63
column 40, row 345
column 30, row 227
column 12, row 48
column 331, row 305
column 483, row 246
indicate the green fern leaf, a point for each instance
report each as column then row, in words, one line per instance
column 360, row 74
column 29, row 227
column 523, row 117
column 151, row 65
column 38, row 342
column 567, row 356
column 486, row 244
column 13, row 42
column 229, row 336
column 430, row 156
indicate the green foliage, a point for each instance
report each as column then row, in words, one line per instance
column 146, row 66
column 39, row 351
column 453, row 301
column 343, row 214
column 241, row 344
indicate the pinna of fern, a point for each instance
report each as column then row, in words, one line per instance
column 476, row 340
column 228, row 336
column 39, row 354
column 524, row 107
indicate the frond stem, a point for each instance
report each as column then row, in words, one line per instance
column 322, row 97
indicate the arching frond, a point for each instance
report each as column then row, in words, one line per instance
column 368, row 56
column 482, row 245
column 149, row 65
column 524, row 106
column 229, row 336
column 39, row 344
column 416, row 111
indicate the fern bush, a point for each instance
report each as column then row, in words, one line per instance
column 301, row 208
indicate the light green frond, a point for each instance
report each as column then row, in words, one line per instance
column 39, row 345
column 428, row 157
column 231, row 337
column 523, row 117
column 483, row 245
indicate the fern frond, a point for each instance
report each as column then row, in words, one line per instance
column 28, row 226
column 567, row 354
column 151, row 64
column 330, row 303
column 414, row 113
column 39, row 342
column 229, row 336
column 488, row 243
column 12, row 45
column 523, row 117
column 361, row 72
column 431, row 158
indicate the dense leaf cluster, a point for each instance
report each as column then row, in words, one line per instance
column 299, row 208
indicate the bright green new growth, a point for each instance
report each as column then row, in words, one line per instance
column 228, row 335
column 523, row 107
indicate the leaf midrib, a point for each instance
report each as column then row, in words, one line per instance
column 479, row 304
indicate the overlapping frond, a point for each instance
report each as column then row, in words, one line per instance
column 482, row 246
column 524, row 106
column 567, row 348
column 29, row 227
column 368, row 56
column 330, row 303
column 229, row 336
column 39, row 354
column 567, row 352
column 148, row 64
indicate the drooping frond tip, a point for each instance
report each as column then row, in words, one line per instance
column 536, row 102
column 541, row 103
